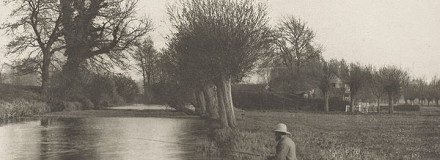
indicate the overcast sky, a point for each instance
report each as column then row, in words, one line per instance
column 378, row 32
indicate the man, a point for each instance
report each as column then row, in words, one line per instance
column 285, row 149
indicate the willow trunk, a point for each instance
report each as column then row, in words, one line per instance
column 390, row 103
column 210, row 100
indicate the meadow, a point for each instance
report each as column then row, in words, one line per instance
column 335, row 135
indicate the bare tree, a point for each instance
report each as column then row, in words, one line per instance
column 223, row 39
column 36, row 35
column 421, row 90
column 435, row 84
column 377, row 87
column 410, row 92
column 394, row 79
column 146, row 60
column 295, row 44
column 97, row 32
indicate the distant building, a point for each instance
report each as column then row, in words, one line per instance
column 335, row 81
column 340, row 88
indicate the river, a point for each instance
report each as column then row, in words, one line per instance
column 100, row 138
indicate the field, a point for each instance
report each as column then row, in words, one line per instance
column 403, row 135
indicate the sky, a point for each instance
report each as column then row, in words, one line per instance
column 405, row 33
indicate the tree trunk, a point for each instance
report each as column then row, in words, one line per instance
column 351, row 103
column 72, row 78
column 223, row 87
column 148, row 94
column 378, row 104
column 436, row 102
column 390, row 103
column 326, row 97
column 200, row 100
column 222, row 106
column 228, row 91
column 45, row 74
column 210, row 100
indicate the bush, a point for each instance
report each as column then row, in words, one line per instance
column 102, row 91
column 126, row 88
column 173, row 94
column 268, row 100
column 20, row 107
column 402, row 108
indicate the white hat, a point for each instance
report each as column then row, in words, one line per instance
column 281, row 127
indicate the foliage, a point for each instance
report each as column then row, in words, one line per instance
column 102, row 91
column 404, row 108
column 147, row 61
column 217, row 42
column 171, row 93
column 36, row 36
column 20, row 107
column 254, row 97
column 19, row 101
column 96, row 35
column 126, row 87
column 394, row 79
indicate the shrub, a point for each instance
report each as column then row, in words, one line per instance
column 102, row 91
column 402, row 108
column 20, row 107
column 171, row 93
column 268, row 100
column 126, row 88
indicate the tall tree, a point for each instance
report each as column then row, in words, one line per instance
column 358, row 78
column 325, row 84
column 377, row 87
column 295, row 44
column 435, row 84
column 146, row 60
column 223, row 37
column 394, row 80
column 410, row 92
column 36, row 34
column 98, row 31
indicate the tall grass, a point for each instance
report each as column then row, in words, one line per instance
column 405, row 135
column 20, row 107
column 20, row 101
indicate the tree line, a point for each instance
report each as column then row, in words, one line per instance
column 70, row 41
column 213, row 44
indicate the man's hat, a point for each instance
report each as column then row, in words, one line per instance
column 281, row 127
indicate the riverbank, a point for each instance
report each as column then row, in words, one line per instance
column 404, row 135
column 20, row 101
column 117, row 113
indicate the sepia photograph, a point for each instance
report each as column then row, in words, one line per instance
column 219, row 80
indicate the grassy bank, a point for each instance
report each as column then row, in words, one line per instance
column 119, row 113
column 20, row 101
column 404, row 135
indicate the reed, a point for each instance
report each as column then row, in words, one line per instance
column 20, row 107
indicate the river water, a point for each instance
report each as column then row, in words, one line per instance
column 99, row 138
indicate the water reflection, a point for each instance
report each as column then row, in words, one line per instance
column 99, row 138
